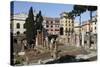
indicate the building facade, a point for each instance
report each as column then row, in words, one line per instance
column 17, row 24
column 66, row 24
column 94, row 25
column 51, row 25
column 89, row 31
column 18, row 27
column 67, row 28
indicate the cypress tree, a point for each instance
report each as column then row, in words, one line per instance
column 30, row 26
column 39, row 20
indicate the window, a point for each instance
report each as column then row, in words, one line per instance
column 85, row 42
column 18, row 25
column 66, row 21
column 72, row 29
column 24, row 32
column 51, row 25
column 95, row 28
column 51, row 22
column 69, row 21
column 68, row 40
column 51, row 29
column 56, row 29
column 47, row 22
column 66, row 30
column 69, row 24
column 18, row 32
column 47, row 26
column 66, row 24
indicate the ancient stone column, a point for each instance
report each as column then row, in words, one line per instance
column 78, row 41
column 42, row 39
column 95, row 42
column 83, row 39
column 55, row 51
column 36, row 42
column 22, row 48
column 46, row 42
column 39, row 39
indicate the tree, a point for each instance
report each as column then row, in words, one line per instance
column 79, row 9
column 71, row 14
column 30, row 26
column 91, row 9
column 39, row 20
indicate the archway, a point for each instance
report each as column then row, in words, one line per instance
column 61, row 31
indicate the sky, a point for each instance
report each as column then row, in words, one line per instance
column 47, row 9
